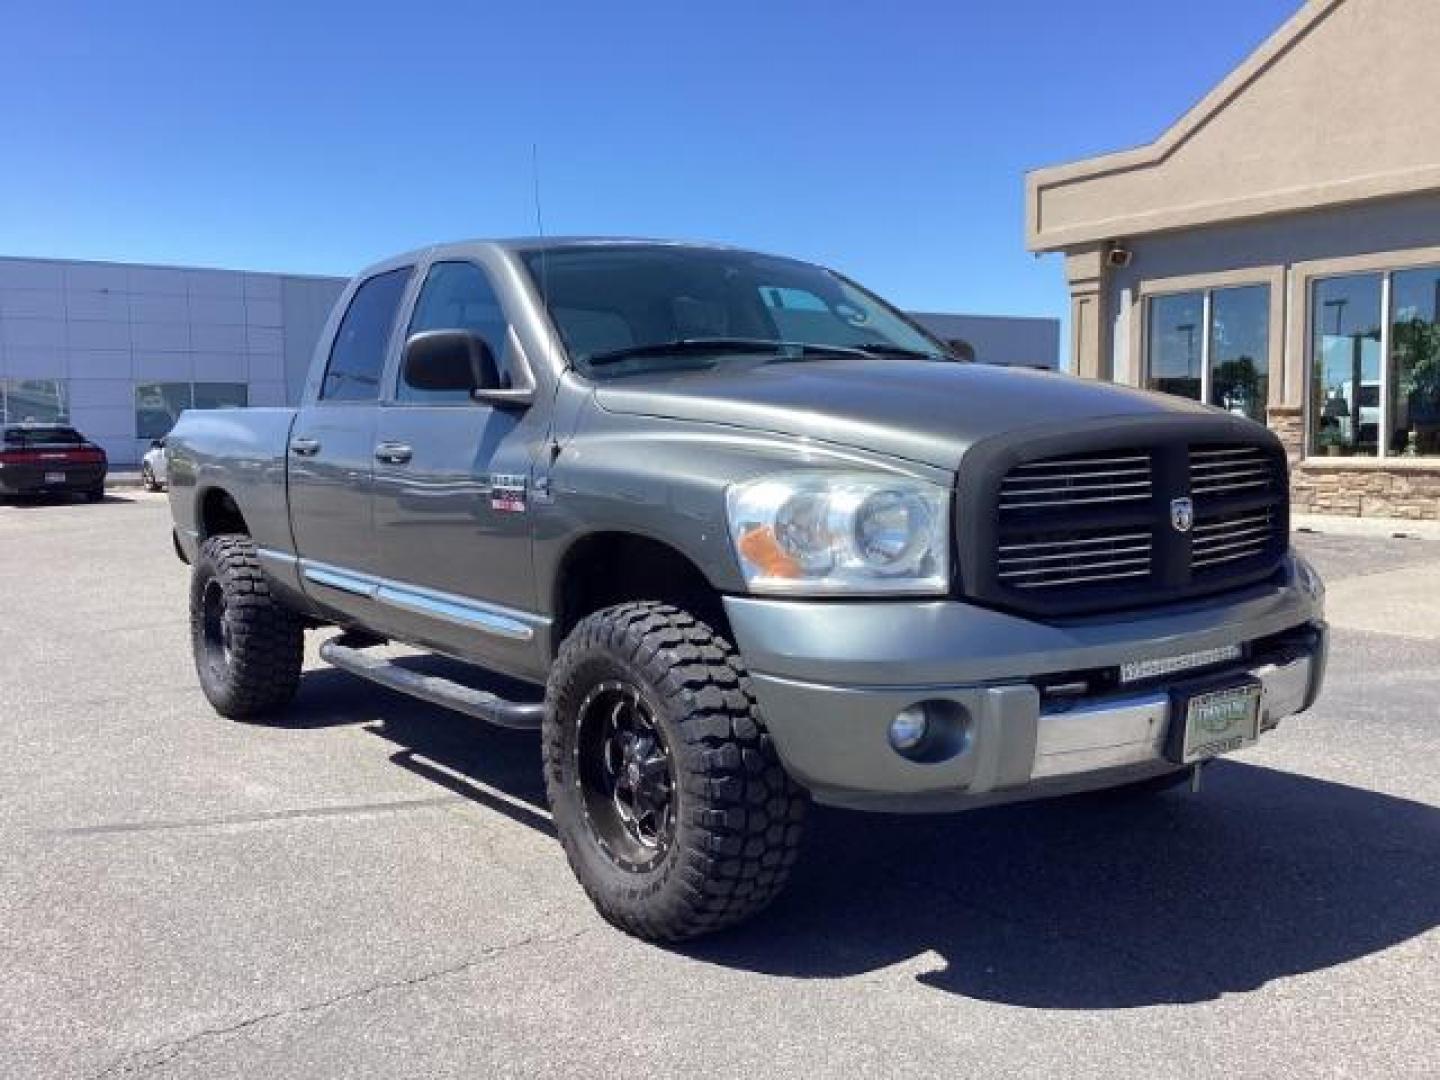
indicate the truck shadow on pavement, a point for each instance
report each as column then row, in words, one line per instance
column 1087, row 902
column 1103, row 902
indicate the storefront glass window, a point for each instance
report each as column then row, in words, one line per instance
column 1239, row 350
column 1213, row 346
column 1176, row 341
column 1414, row 394
column 1345, row 366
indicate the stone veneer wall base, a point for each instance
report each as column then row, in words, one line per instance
column 1372, row 491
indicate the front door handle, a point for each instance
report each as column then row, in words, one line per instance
column 305, row 447
column 393, row 453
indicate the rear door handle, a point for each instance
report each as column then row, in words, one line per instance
column 305, row 447
column 393, row 453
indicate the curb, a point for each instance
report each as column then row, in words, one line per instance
column 1389, row 528
column 125, row 481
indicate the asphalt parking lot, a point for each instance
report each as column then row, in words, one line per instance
column 371, row 889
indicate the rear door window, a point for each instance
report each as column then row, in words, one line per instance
column 357, row 356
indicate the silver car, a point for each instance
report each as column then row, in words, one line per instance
column 154, row 473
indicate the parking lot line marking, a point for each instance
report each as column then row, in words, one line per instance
column 256, row 819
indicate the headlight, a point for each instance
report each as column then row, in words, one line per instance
column 841, row 532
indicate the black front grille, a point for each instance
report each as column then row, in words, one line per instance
column 1050, row 561
column 1109, row 527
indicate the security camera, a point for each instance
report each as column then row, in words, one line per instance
column 1118, row 257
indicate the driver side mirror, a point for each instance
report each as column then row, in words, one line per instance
column 450, row 360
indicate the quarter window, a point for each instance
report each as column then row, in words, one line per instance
column 1213, row 346
column 457, row 296
column 357, row 356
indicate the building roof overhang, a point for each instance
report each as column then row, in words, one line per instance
column 1300, row 125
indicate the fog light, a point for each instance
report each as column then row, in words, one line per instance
column 909, row 728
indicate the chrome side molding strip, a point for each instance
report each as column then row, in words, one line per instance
column 455, row 610
column 459, row 610
column 337, row 579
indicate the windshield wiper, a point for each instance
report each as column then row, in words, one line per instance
column 681, row 346
column 882, row 348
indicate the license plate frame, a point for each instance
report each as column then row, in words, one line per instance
column 1212, row 719
column 55, row 478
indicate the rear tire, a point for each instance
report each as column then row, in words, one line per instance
column 95, row 495
column 713, row 840
column 248, row 646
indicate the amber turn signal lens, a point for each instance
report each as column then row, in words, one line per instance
column 759, row 547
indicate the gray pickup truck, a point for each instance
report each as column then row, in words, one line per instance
column 744, row 536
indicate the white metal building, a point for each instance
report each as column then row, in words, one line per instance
column 119, row 350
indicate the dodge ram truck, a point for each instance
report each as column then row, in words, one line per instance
column 737, row 535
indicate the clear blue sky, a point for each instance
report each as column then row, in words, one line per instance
column 888, row 139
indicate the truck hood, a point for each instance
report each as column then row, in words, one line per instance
column 923, row 411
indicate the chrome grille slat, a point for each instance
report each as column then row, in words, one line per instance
column 1262, row 518
column 1036, row 571
column 1210, row 476
column 1074, row 502
column 1201, row 489
column 1255, row 535
column 1138, row 460
column 1144, row 550
column 1216, row 560
column 1226, row 451
column 1211, row 549
column 1089, row 578
column 1097, row 476
column 1076, row 543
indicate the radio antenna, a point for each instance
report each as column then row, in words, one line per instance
column 544, row 251
column 535, row 181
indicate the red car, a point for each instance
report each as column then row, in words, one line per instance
column 50, row 458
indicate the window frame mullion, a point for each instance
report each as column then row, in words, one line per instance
column 1382, row 439
column 1207, row 311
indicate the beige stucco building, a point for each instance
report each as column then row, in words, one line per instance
column 1277, row 252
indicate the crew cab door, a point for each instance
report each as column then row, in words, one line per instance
column 452, row 493
column 331, row 455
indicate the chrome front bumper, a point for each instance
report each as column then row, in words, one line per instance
column 1131, row 730
column 831, row 677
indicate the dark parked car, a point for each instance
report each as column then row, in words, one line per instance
column 50, row 458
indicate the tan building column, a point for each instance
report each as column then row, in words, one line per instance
column 1090, row 354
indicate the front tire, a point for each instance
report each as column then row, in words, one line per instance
column 671, row 804
column 248, row 646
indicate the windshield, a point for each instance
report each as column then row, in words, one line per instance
column 622, row 307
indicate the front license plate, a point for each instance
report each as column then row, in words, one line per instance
column 1218, row 722
column 54, row 477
